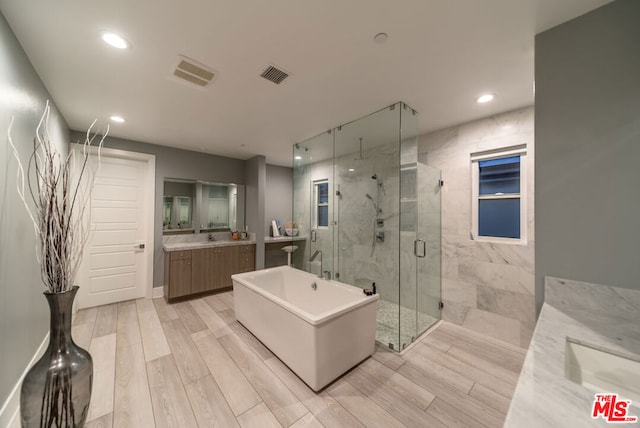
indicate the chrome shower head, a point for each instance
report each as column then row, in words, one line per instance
column 374, row 177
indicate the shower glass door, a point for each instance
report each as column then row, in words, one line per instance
column 408, row 207
column 429, row 291
column 419, row 235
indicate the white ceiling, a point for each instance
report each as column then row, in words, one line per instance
column 439, row 57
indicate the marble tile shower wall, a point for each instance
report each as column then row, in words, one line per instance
column 487, row 287
column 361, row 259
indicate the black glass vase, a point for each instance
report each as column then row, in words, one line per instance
column 57, row 390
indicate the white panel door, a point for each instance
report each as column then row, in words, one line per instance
column 117, row 261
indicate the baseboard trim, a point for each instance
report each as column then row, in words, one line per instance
column 157, row 292
column 11, row 407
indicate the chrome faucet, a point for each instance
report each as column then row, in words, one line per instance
column 210, row 237
column 315, row 255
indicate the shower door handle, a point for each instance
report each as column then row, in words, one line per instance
column 420, row 244
column 313, row 236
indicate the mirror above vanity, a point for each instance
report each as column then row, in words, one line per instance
column 177, row 205
column 196, row 206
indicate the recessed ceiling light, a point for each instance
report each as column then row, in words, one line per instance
column 381, row 38
column 485, row 98
column 298, row 157
column 351, row 169
column 115, row 40
column 118, row 119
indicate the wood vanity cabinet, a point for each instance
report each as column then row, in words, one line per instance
column 213, row 267
column 179, row 270
column 204, row 270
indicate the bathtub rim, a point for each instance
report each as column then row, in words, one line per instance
column 315, row 320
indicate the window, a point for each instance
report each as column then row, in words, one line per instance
column 499, row 203
column 321, row 201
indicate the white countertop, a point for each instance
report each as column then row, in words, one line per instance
column 181, row 246
column 605, row 318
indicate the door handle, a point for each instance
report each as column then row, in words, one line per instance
column 313, row 236
column 139, row 246
column 420, row 243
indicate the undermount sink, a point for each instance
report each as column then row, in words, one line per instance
column 602, row 371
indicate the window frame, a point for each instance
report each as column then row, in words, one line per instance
column 317, row 204
column 519, row 150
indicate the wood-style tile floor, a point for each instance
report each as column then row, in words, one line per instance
column 192, row 364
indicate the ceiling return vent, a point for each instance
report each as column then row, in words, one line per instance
column 274, row 75
column 193, row 72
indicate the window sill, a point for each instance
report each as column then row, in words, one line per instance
column 496, row 240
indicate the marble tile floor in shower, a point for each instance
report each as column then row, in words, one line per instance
column 192, row 364
column 399, row 325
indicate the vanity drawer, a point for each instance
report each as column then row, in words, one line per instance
column 244, row 249
column 247, row 258
column 179, row 255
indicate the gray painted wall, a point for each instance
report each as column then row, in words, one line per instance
column 24, row 314
column 278, row 205
column 176, row 163
column 256, row 183
column 587, row 131
column 279, row 197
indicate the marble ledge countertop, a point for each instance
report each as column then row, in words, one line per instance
column 268, row 239
column 602, row 317
column 180, row 246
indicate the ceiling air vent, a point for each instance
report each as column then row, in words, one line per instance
column 274, row 75
column 193, row 72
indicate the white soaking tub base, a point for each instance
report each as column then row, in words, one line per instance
column 318, row 333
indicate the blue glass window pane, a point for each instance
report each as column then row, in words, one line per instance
column 323, row 216
column 500, row 175
column 499, row 217
column 323, row 193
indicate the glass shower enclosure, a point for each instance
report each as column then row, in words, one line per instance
column 362, row 197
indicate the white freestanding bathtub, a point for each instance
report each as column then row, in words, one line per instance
column 320, row 332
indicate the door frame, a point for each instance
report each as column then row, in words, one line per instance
column 148, row 199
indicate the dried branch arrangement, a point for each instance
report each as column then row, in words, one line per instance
column 60, row 189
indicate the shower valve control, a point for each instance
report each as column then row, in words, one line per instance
column 380, row 222
column 380, row 236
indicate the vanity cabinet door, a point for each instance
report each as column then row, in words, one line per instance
column 179, row 274
column 203, row 270
column 230, row 261
column 217, row 266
